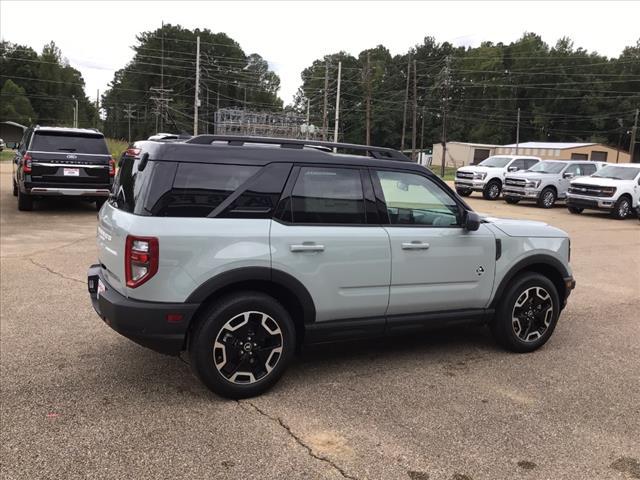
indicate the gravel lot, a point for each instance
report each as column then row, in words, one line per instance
column 80, row 401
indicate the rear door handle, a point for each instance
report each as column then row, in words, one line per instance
column 415, row 245
column 307, row 247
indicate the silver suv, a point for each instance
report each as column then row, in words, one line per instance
column 238, row 250
column 547, row 181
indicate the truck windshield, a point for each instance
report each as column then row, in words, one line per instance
column 69, row 142
column 551, row 166
column 496, row 162
column 617, row 173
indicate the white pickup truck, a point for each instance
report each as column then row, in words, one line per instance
column 488, row 176
column 614, row 188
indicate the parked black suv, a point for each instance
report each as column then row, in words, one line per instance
column 53, row 161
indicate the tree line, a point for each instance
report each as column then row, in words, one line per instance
column 562, row 93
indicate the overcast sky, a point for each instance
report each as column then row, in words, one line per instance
column 96, row 36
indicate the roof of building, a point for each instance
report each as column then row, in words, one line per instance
column 549, row 145
column 471, row 144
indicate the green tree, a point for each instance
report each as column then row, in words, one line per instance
column 15, row 105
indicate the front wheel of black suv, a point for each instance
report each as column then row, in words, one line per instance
column 15, row 189
column 242, row 344
column 100, row 202
column 511, row 200
column 622, row 208
column 575, row 210
column 25, row 202
column 527, row 313
column 462, row 192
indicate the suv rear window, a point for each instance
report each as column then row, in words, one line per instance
column 170, row 189
column 68, row 142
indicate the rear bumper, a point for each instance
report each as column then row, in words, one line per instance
column 146, row 323
column 72, row 192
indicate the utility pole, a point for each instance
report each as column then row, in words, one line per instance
column 129, row 111
column 634, row 133
column 306, row 136
column 335, row 131
column 368, row 101
column 161, row 115
column 97, row 107
column 196, row 102
column 444, row 115
column 518, row 133
column 621, row 123
column 406, row 101
column 75, row 112
column 415, row 112
column 325, row 125
column 422, row 134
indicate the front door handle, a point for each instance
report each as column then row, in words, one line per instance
column 307, row 247
column 415, row 245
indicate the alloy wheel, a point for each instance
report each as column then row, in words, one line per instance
column 623, row 209
column 248, row 347
column 548, row 199
column 532, row 314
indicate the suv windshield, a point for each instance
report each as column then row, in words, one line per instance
column 69, row 142
column 497, row 162
column 551, row 166
column 617, row 173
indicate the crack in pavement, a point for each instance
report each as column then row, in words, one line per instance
column 297, row 439
column 44, row 267
column 38, row 252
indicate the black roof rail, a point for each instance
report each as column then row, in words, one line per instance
column 383, row 153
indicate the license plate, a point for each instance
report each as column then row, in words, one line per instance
column 101, row 288
column 71, row 172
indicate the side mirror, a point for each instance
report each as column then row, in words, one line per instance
column 568, row 175
column 471, row 221
column 512, row 169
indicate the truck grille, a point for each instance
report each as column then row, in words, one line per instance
column 590, row 190
column 515, row 182
column 464, row 174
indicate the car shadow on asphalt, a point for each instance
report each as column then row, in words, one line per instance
column 61, row 204
column 143, row 372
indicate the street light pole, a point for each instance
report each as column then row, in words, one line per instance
column 75, row 112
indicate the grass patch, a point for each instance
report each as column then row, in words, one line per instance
column 116, row 147
column 449, row 172
column 6, row 155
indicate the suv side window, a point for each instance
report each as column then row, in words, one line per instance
column 575, row 169
column 412, row 199
column 328, row 195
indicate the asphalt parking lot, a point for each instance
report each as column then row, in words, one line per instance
column 80, row 401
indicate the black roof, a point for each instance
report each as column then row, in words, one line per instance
column 264, row 150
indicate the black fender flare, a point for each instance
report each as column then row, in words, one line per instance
column 539, row 259
column 260, row 274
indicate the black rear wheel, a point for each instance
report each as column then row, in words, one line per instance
column 575, row 210
column 100, row 202
column 511, row 200
column 15, row 189
column 463, row 192
column 242, row 344
column 25, row 202
column 527, row 313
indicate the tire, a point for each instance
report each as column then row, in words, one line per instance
column 511, row 200
column 575, row 210
column 492, row 190
column 512, row 325
column 463, row 193
column 622, row 208
column 100, row 202
column 547, row 198
column 15, row 189
column 25, row 202
column 226, row 330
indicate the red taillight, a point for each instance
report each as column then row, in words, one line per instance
column 112, row 167
column 26, row 163
column 141, row 259
column 132, row 152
